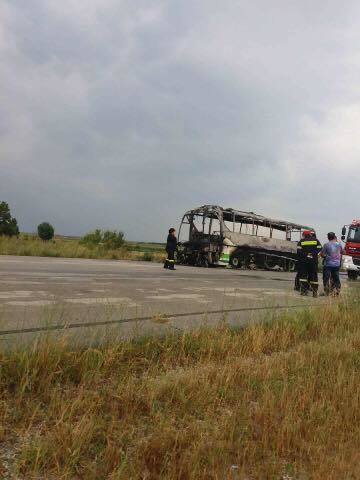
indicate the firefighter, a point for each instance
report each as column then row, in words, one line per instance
column 170, row 249
column 297, row 278
column 308, row 250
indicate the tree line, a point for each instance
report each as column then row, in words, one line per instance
column 109, row 239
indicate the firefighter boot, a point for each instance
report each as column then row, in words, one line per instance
column 304, row 287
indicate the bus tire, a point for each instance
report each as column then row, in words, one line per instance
column 235, row 261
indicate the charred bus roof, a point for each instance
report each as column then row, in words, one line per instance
column 249, row 218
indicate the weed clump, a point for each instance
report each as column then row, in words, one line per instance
column 148, row 257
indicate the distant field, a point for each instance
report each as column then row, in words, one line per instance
column 71, row 247
column 146, row 247
column 279, row 400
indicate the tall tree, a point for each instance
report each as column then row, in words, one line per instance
column 8, row 224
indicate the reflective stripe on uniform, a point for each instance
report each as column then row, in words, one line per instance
column 314, row 283
column 308, row 242
column 168, row 260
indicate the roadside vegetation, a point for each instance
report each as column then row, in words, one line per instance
column 276, row 400
column 102, row 244
column 32, row 245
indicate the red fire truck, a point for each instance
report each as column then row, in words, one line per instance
column 351, row 260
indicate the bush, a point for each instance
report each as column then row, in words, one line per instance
column 8, row 224
column 92, row 239
column 109, row 239
column 46, row 231
column 113, row 239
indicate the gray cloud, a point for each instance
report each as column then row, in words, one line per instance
column 124, row 114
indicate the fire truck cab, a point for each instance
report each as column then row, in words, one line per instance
column 351, row 259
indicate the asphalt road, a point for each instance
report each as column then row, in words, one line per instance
column 38, row 292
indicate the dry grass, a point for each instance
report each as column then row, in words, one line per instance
column 280, row 400
column 30, row 245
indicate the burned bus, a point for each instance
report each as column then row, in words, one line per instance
column 211, row 235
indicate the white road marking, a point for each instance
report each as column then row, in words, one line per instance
column 103, row 301
column 173, row 296
column 243, row 295
column 21, row 282
column 16, row 294
column 30, row 303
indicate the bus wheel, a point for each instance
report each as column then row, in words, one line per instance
column 180, row 259
column 352, row 275
column 205, row 262
column 235, row 262
column 291, row 266
column 202, row 261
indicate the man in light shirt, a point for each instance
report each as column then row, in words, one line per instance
column 332, row 252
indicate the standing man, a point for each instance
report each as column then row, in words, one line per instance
column 308, row 250
column 170, row 249
column 332, row 252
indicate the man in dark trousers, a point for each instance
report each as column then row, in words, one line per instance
column 170, row 249
column 308, row 250
column 331, row 253
column 297, row 278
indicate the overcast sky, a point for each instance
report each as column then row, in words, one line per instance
column 123, row 114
